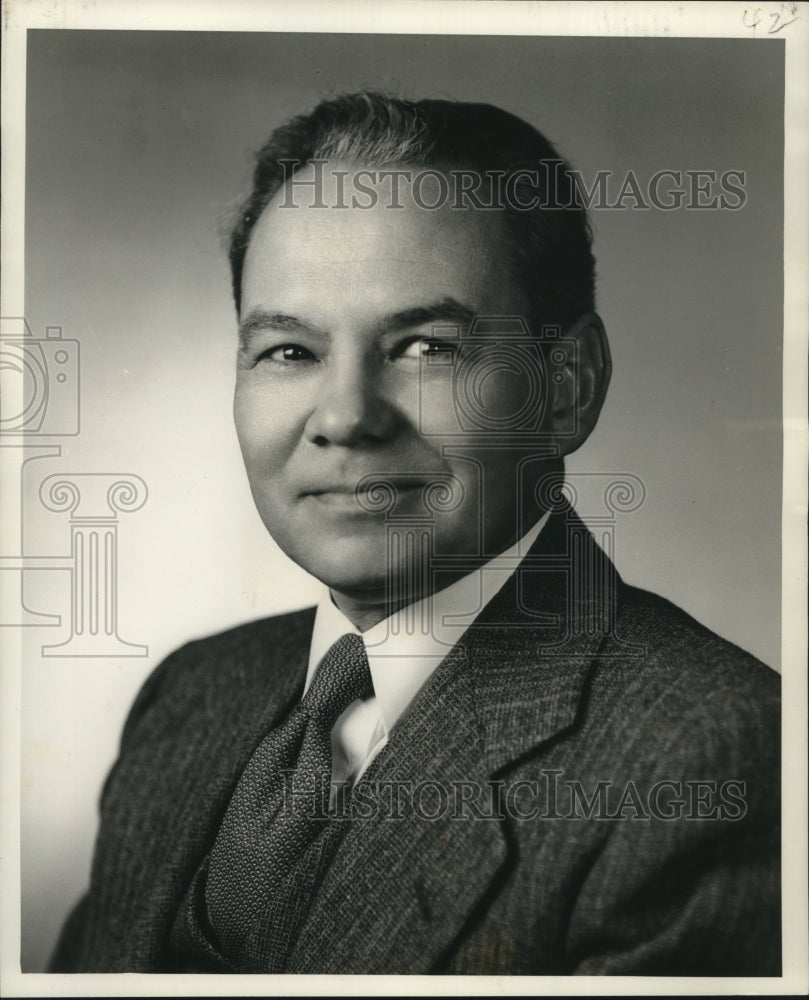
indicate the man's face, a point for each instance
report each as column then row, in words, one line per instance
column 344, row 373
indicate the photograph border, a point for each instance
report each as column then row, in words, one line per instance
column 499, row 17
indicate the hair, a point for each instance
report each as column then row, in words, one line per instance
column 550, row 244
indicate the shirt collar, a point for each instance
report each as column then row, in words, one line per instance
column 404, row 649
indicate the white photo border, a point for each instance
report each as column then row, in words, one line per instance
column 715, row 20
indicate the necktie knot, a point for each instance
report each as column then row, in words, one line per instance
column 342, row 677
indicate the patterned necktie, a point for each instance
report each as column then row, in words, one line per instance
column 273, row 846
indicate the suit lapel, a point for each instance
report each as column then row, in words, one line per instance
column 401, row 888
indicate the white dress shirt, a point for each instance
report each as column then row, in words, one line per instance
column 403, row 651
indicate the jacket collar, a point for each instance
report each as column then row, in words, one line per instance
column 532, row 648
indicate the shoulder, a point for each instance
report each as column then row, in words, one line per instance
column 680, row 652
column 650, row 649
column 254, row 657
column 681, row 733
column 256, row 639
column 671, row 683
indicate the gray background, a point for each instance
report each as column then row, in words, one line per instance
column 138, row 147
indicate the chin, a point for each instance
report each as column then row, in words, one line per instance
column 359, row 584
column 345, row 565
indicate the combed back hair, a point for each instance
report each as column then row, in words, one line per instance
column 550, row 245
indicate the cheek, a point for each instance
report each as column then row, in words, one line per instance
column 493, row 490
column 501, row 391
column 264, row 430
column 434, row 411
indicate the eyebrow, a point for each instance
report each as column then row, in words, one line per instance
column 260, row 319
column 446, row 310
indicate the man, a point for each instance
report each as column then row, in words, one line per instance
column 483, row 752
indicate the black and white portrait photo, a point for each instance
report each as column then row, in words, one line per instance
column 403, row 531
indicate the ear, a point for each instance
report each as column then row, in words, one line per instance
column 578, row 386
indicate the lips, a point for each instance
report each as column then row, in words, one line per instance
column 366, row 484
column 363, row 490
column 374, row 494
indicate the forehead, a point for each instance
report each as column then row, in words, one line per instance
column 313, row 239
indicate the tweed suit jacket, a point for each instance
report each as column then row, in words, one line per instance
column 589, row 785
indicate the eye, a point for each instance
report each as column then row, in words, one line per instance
column 288, row 353
column 434, row 350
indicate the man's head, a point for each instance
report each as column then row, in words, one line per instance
column 360, row 356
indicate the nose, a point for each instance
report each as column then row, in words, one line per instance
column 351, row 408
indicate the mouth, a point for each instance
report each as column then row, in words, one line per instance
column 339, row 499
column 369, row 496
